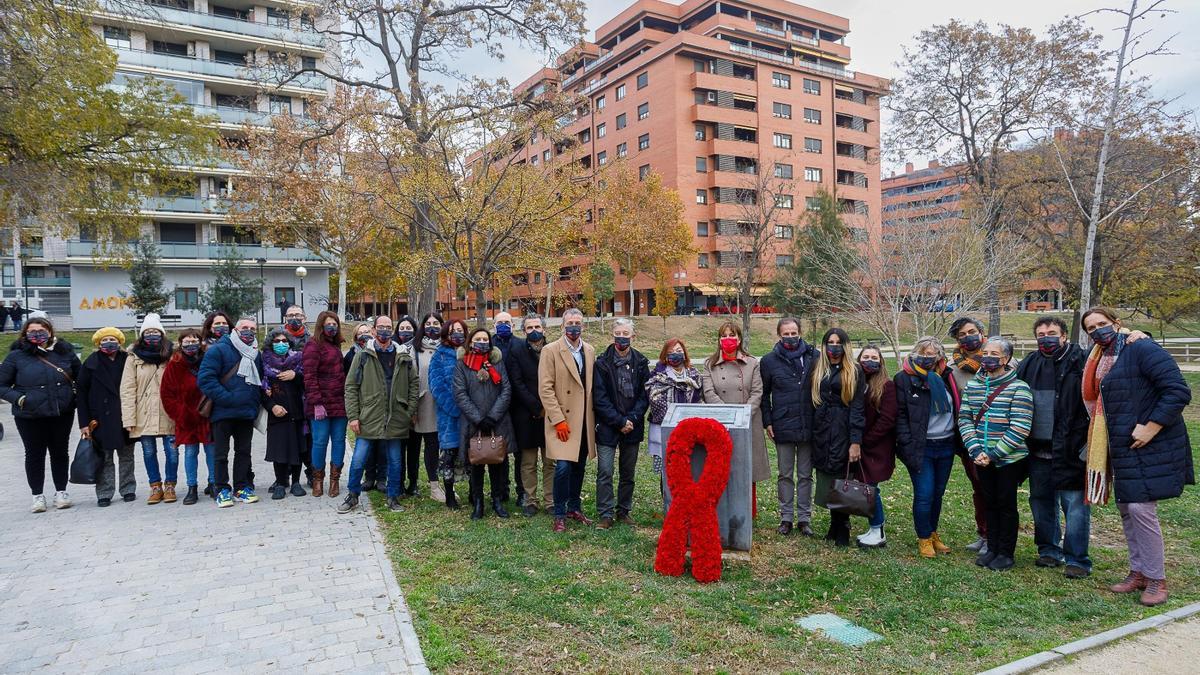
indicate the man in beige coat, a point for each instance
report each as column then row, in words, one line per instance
column 565, row 387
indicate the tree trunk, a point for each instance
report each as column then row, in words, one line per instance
column 993, row 282
column 480, row 305
column 630, row 274
column 342, row 271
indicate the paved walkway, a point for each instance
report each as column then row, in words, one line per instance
column 193, row 589
column 1174, row 648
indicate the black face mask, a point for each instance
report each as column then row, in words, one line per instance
column 970, row 342
column 989, row 364
column 790, row 343
column 1048, row 344
column 834, row 351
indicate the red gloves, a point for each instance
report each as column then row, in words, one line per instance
column 563, row 430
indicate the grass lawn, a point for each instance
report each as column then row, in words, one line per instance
column 512, row 596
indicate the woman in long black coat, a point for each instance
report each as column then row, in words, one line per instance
column 284, row 403
column 483, row 393
column 839, row 419
column 99, row 394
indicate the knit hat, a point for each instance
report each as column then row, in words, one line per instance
column 37, row 314
column 151, row 321
column 108, row 332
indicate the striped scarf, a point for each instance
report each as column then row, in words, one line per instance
column 965, row 361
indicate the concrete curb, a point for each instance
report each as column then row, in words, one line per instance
column 400, row 611
column 1041, row 659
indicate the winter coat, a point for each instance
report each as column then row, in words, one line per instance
column 836, row 425
column 879, row 435
column 426, row 407
column 324, row 379
column 99, row 398
column 567, row 397
column 382, row 414
column 912, row 415
column 141, row 399
column 526, row 409
column 787, row 393
column 441, row 386
column 236, row 399
column 1068, row 468
column 1001, row 431
column 740, row 381
column 285, row 435
column 482, row 399
column 181, row 398
column 348, row 358
column 1145, row 385
column 612, row 409
column 47, row 392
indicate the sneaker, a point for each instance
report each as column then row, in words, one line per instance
column 278, row 491
column 103, row 502
column 298, row 490
column 394, row 506
column 128, row 498
column 560, row 525
column 62, row 500
column 1076, row 572
column 605, row 523
column 1048, row 561
column 246, row 495
column 224, row 498
column 350, row 504
column 1000, row 563
column 529, row 510
column 39, row 504
column 978, row 546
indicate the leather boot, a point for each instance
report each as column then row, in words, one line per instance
column 318, row 482
column 335, row 477
column 938, row 545
column 451, row 498
column 156, row 493
column 925, row 548
column 1155, row 593
column 192, row 496
column 498, row 507
column 476, row 507
column 169, row 492
column 1134, row 581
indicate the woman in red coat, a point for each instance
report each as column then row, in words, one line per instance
column 879, row 437
column 325, row 401
column 180, row 399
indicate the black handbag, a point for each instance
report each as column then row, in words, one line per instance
column 851, row 497
column 86, row 465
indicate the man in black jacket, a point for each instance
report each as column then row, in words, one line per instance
column 1056, row 443
column 503, row 339
column 620, row 400
column 787, row 413
column 526, row 413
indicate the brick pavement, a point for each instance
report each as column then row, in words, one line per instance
column 194, row 589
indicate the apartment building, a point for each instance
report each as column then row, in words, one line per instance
column 204, row 49
column 708, row 94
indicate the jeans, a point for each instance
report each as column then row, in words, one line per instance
column 1046, row 503
column 106, row 481
column 329, row 431
column 795, row 481
column 929, row 485
column 150, row 457
column 568, row 483
column 191, row 462
column 999, row 485
column 240, row 433
column 606, row 457
column 394, row 447
column 42, row 436
column 877, row 519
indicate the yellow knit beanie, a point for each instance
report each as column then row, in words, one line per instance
column 108, row 332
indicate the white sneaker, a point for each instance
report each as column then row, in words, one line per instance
column 39, row 504
column 872, row 538
column 62, row 500
column 436, row 493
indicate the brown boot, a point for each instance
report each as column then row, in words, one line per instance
column 156, row 493
column 938, row 545
column 335, row 475
column 318, row 487
column 1134, row 581
column 169, row 492
column 1155, row 593
column 925, row 548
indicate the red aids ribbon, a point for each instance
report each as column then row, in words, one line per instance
column 693, row 510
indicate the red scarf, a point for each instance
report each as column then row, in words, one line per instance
column 293, row 333
column 477, row 361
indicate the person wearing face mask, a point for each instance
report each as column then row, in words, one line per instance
column 217, row 325
column 38, row 378
column 733, row 376
column 362, row 335
column 839, row 419
column 424, row 436
column 787, row 416
column 503, row 340
column 284, row 402
column 452, row 463
column 1138, row 447
column 406, row 339
column 969, row 338
column 99, row 394
column 621, row 401
column 994, row 421
column 483, row 393
column 879, row 436
column 565, row 388
column 180, row 398
column 142, row 410
column 673, row 380
column 381, row 397
column 324, row 403
column 526, row 413
column 231, row 377
column 297, row 331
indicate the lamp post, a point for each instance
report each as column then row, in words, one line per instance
column 262, row 292
column 24, row 279
column 301, row 272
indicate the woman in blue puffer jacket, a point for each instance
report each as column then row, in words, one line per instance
column 452, row 464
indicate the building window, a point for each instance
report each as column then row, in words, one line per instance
column 785, row 231
column 783, row 141
column 281, row 105
column 600, row 103
column 781, row 80
column 601, row 158
column 621, row 121
column 812, row 174
column 701, row 196
column 622, row 150
column 601, row 131
column 702, row 260
column 812, row 86
column 308, row 62
column 702, row 228
column 812, row 115
column 783, row 202
column 643, row 142
column 781, row 110
column 545, row 155
column 783, row 171
column 812, row 204
column 177, row 233
column 643, row 171
column 585, row 136
column 784, row 260
column 285, row 294
column 643, row 79
column 117, row 38
column 701, row 165
column 643, row 111
column 701, row 132
column 812, row 145
column 533, row 160
column 187, row 298
column 620, row 92
column 277, row 17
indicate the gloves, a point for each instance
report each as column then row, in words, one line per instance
column 563, row 430
column 319, row 412
column 485, row 425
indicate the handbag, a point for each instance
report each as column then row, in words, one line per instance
column 86, row 465
column 850, row 496
column 490, row 449
column 205, row 406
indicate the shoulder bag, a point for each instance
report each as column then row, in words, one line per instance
column 205, row 406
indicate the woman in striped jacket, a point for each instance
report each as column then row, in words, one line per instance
column 994, row 420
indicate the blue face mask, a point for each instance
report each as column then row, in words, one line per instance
column 870, row 367
column 480, row 347
column 970, row 342
column 622, row 343
column 220, row 331
column 109, row 346
column 675, row 359
column 403, row 336
column 1104, row 335
column 152, row 339
column 503, row 330
column 457, row 339
column 383, row 334
column 573, row 332
column 280, row 348
column 331, row 329
column 190, row 350
column 924, row 362
column 295, row 323
column 361, row 340
column 535, row 335
column 834, row 351
column 1048, row 344
column 790, row 343
column 37, row 337
column 247, row 335
column 989, row 364
column 432, row 331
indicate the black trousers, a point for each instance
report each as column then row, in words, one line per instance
column 999, row 486
column 421, row 445
column 286, row 474
column 42, row 436
column 497, row 473
column 240, row 433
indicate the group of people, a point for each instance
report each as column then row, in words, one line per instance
column 13, row 311
column 1081, row 426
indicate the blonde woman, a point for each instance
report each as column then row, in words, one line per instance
column 839, row 419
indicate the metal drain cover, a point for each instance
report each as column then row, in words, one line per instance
column 836, row 628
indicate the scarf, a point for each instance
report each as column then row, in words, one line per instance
column 666, row 384
column 624, row 373
column 153, row 357
column 536, row 346
column 429, row 344
column 940, row 399
column 274, row 364
column 1099, row 478
column 965, row 361
column 246, row 367
column 482, row 365
column 303, row 330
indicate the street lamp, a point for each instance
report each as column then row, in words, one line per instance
column 262, row 292
column 300, row 274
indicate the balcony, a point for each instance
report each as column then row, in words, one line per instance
column 825, row 70
column 209, row 251
column 47, row 282
column 236, row 116
column 719, row 114
column 196, row 66
column 183, row 205
column 761, row 53
column 768, row 29
column 253, row 31
column 731, row 83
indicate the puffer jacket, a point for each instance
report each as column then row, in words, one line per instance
column 141, row 398
column 382, row 414
column 478, row 399
column 441, row 385
column 236, row 399
column 47, row 391
column 913, row 407
column 324, row 379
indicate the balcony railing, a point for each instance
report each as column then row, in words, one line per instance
column 228, row 24
column 191, row 64
column 209, row 251
column 231, row 115
column 825, row 70
column 805, row 40
column 761, row 53
column 184, row 205
column 56, row 282
column 770, row 30
column 594, row 86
